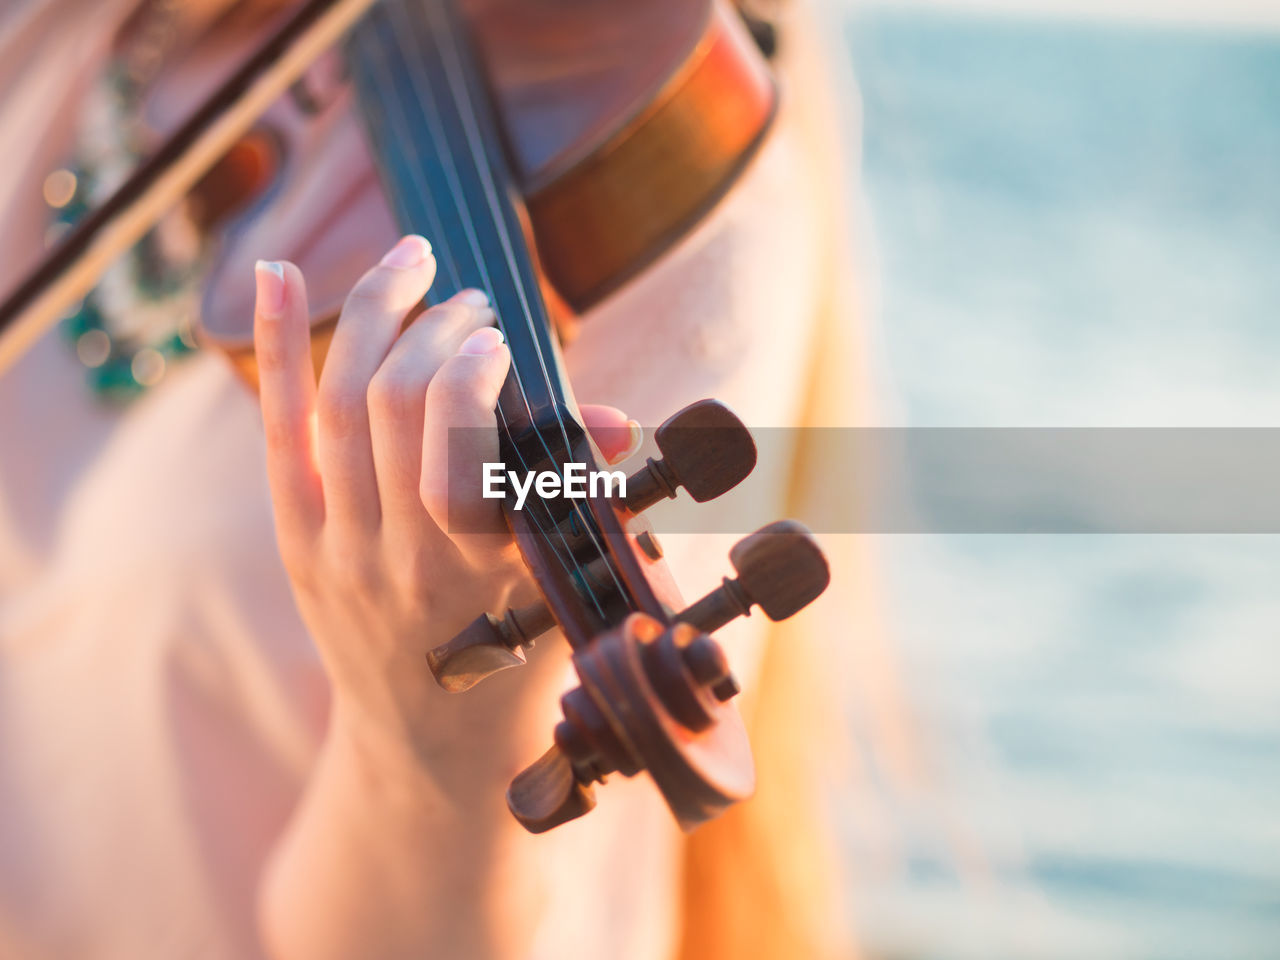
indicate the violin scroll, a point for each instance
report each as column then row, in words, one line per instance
column 655, row 688
column 656, row 697
column 635, row 679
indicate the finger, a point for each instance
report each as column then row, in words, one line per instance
column 397, row 400
column 369, row 324
column 459, row 436
column 617, row 436
column 287, row 390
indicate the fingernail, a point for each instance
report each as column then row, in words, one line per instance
column 472, row 297
column 482, row 342
column 409, row 252
column 635, row 438
column 270, row 280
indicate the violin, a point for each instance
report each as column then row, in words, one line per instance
column 547, row 208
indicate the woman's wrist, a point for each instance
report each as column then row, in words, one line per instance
column 383, row 751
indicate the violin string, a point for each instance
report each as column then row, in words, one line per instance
column 435, row 125
column 481, row 171
column 428, row 100
column 459, row 87
column 364, row 38
column 453, row 73
column 431, row 113
column 449, row 58
column 391, row 93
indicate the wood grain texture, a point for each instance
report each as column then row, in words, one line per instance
column 621, row 206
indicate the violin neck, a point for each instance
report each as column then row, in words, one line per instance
column 435, row 140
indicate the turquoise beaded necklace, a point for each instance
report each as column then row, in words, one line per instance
column 138, row 322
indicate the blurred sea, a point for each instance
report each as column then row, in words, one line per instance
column 1076, row 224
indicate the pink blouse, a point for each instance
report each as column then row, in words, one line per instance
column 160, row 701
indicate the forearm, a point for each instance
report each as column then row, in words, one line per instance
column 381, row 861
column 401, row 845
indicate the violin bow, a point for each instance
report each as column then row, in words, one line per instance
column 77, row 261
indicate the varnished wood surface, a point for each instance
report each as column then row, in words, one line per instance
column 569, row 75
column 623, row 204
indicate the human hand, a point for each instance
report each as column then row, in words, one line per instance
column 361, row 469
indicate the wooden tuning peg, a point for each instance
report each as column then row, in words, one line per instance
column 548, row 793
column 557, row 787
column 780, row 568
column 647, row 701
column 487, row 645
column 705, row 448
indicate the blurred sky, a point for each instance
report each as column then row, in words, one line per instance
column 1075, row 222
column 1260, row 13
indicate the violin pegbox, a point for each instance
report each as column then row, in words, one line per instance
column 655, row 688
column 706, row 449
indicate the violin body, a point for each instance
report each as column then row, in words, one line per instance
column 670, row 101
column 623, row 124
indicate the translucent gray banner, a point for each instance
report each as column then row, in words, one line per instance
column 994, row 480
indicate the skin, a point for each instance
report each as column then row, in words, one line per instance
column 401, row 837
column 401, row 844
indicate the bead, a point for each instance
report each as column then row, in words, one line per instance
column 59, row 188
column 93, row 347
column 138, row 320
column 147, row 366
column 84, row 319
